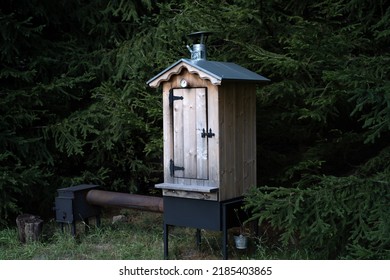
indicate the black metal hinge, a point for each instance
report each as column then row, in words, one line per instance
column 173, row 168
column 173, row 98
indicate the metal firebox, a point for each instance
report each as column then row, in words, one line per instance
column 71, row 206
column 202, row 214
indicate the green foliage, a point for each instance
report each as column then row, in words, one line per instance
column 333, row 217
column 74, row 106
column 22, row 151
column 325, row 119
column 61, row 122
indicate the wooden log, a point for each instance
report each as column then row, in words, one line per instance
column 29, row 227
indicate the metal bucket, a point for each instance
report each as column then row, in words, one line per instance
column 241, row 241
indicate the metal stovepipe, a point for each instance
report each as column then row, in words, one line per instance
column 125, row 200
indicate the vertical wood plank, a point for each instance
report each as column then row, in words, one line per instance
column 189, row 132
column 254, row 136
column 167, row 132
column 222, row 142
column 229, row 141
column 213, row 122
column 249, row 149
column 240, row 136
column 201, row 143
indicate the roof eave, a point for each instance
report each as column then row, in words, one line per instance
column 177, row 67
column 194, row 68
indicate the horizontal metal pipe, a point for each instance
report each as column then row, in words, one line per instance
column 125, row 200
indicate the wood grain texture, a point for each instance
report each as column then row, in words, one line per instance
column 225, row 162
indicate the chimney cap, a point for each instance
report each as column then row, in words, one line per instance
column 200, row 34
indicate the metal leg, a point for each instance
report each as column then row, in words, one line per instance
column 74, row 228
column 224, row 233
column 198, row 238
column 86, row 225
column 98, row 221
column 166, row 227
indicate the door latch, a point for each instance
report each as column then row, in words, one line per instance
column 205, row 134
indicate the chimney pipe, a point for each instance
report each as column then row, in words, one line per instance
column 198, row 51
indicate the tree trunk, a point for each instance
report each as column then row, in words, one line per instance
column 29, row 227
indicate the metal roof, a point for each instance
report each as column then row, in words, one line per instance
column 223, row 71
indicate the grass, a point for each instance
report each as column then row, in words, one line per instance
column 140, row 237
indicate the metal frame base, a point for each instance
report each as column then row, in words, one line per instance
column 201, row 214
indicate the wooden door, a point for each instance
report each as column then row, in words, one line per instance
column 190, row 147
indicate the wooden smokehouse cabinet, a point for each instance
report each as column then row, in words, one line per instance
column 209, row 116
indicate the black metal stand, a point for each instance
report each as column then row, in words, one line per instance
column 198, row 238
column 225, row 232
column 71, row 206
column 201, row 214
column 166, row 234
column 86, row 225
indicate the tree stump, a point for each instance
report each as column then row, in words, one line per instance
column 29, row 227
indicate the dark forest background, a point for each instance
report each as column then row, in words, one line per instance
column 75, row 107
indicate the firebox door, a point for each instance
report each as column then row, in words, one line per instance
column 190, row 133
